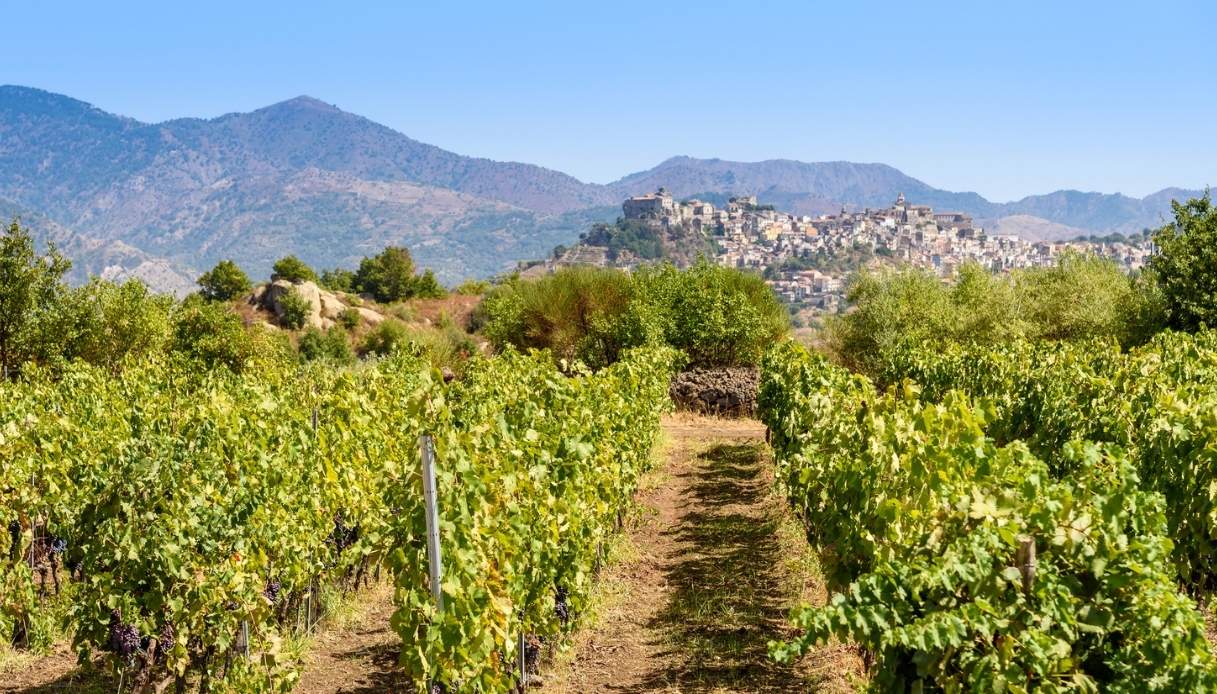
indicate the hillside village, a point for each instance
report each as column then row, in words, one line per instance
column 807, row 259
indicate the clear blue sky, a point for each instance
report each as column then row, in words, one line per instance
column 1007, row 99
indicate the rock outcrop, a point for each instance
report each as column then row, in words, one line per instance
column 729, row 391
column 324, row 306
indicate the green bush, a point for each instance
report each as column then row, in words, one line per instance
column 427, row 287
column 293, row 269
column 388, row 276
column 1185, row 267
column 349, row 318
column 294, row 310
column 717, row 316
column 472, row 287
column 31, row 287
column 213, row 335
column 338, row 280
column 105, row 323
column 1081, row 297
column 442, row 347
column 329, row 345
column 579, row 313
column 224, row 282
column 385, row 338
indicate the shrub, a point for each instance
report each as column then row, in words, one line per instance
column 30, row 287
column 294, row 310
column 293, row 269
column 349, row 318
column 213, row 335
column 427, row 287
column 1081, row 297
column 717, row 316
column 105, row 323
column 1185, row 267
column 338, row 280
column 331, row 345
column 388, row 276
column 472, row 287
column 577, row 313
column 224, row 282
column 441, row 347
column 385, row 338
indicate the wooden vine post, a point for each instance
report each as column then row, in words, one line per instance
column 1025, row 558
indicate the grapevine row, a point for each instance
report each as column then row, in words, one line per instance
column 1158, row 403
column 927, row 522
column 195, row 514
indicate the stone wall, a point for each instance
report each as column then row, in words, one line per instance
column 729, row 392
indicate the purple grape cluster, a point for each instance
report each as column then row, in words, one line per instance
column 561, row 608
column 532, row 653
column 58, row 545
column 272, row 591
column 164, row 642
column 124, row 638
column 343, row 535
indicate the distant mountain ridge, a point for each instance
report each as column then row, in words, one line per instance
column 164, row 201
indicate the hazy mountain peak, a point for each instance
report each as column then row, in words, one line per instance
column 303, row 103
column 303, row 176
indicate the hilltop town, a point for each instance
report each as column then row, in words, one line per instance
column 807, row 259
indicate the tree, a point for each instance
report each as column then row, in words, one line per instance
column 338, row 280
column 331, row 345
column 212, row 334
column 388, row 276
column 296, row 310
column 224, row 282
column 1185, row 268
column 427, row 287
column 30, row 286
column 103, row 323
column 292, row 269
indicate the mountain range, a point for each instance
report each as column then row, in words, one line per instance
column 165, row 201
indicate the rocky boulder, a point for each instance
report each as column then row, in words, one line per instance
column 325, row 306
column 729, row 391
column 271, row 296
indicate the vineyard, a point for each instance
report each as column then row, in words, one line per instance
column 182, row 522
column 1008, row 518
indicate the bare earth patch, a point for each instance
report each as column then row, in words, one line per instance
column 716, row 563
column 359, row 657
column 54, row 672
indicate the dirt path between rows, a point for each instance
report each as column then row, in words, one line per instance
column 358, row 657
column 710, row 571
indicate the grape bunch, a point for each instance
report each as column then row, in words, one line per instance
column 272, row 591
column 164, row 642
column 124, row 638
column 58, row 545
column 343, row 535
column 532, row 653
column 561, row 608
